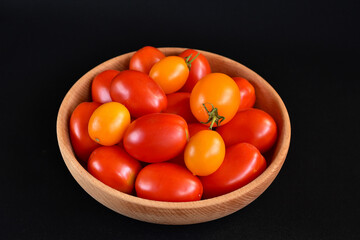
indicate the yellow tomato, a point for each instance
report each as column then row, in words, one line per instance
column 170, row 73
column 108, row 123
column 204, row 153
column 215, row 99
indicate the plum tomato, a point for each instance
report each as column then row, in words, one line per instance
column 168, row 182
column 108, row 123
column 145, row 58
column 81, row 142
column 138, row 92
column 199, row 68
column 156, row 137
column 114, row 167
column 170, row 73
column 100, row 86
column 196, row 127
column 247, row 93
column 204, row 153
column 179, row 103
column 215, row 99
column 250, row 125
column 243, row 163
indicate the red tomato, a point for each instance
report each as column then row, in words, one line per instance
column 138, row 92
column 179, row 103
column 199, row 68
column 243, row 163
column 145, row 58
column 196, row 127
column 81, row 142
column 247, row 93
column 156, row 137
column 168, row 182
column 251, row 125
column 100, row 87
column 114, row 167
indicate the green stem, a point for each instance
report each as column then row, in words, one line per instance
column 213, row 116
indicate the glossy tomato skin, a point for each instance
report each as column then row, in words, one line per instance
column 200, row 67
column 100, row 86
column 114, row 167
column 108, row 123
column 204, row 153
column 156, row 137
column 145, row 58
column 243, row 163
column 170, row 73
column 219, row 90
column 253, row 126
column 179, row 103
column 138, row 92
column 168, row 182
column 247, row 93
column 81, row 142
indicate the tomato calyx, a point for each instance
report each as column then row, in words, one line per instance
column 213, row 116
column 188, row 61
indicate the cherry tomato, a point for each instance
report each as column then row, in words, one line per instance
column 114, row 167
column 179, row 103
column 81, row 142
column 138, row 92
column 108, row 123
column 145, row 58
column 100, row 86
column 199, row 68
column 247, row 93
column 243, row 163
column 156, row 137
column 215, row 99
column 168, row 182
column 204, row 153
column 195, row 128
column 170, row 73
column 251, row 125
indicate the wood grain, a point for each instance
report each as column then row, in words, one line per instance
column 168, row 212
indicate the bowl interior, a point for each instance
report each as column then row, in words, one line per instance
column 167, row 212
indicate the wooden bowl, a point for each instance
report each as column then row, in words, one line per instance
column 176, row 213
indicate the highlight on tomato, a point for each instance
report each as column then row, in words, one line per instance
column 168, row 182
column 145, row 58
column 199, row 68
column 253, row 126
column 215, row 99
column 100, row 86
column 138, row 92
column 108, row 123
column 156, row 137
column 243, row 163
column 114, row 167
column 204, row 153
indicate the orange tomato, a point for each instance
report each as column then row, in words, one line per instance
column 215, row 99
column 108, row 123
column 204, row 153
column 170, row 73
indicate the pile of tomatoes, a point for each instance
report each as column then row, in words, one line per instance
column 169, row 129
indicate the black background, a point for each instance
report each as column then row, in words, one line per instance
column 307, row 50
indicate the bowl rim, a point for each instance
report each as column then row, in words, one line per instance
column 274, row 166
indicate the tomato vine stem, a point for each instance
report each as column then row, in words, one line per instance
column 213, row 116
column 188, row 61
